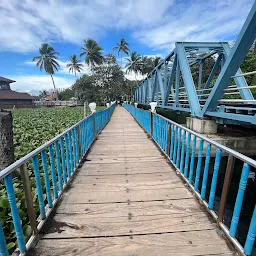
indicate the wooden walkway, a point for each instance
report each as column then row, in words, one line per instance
column 127, row 200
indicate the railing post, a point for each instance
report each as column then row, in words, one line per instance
column 151, row 123
column 46, row 179
column 15, row 213
column 52, row 166
column 142, row 117
column 79, row 142
column 214, row 179
column 3, row 246
column 169, row 139
column 226, row 186
column 206, row 171
column 251, row 235
column 239, row 200
column 28, row 197
column 101, row 121
column 94, row 125
column 57, row 150
column 39, row 187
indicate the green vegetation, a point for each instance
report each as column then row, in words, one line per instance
column 105, row 83
column 32, row 128
column 249, row 65
column 106, row 79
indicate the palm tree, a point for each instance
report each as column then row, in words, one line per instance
column 43, row 94
column 93, row 52
column 156, row 61
column 148, row 64
column 47, row 60
column 122, row 47
column 133, row 63
column 74, row 65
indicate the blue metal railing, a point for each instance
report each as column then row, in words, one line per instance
column 143, row 117
column 52, row 164
column 185, row 149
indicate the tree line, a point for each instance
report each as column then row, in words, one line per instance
column 106, row 80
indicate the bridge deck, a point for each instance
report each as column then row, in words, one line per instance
column 127, row 200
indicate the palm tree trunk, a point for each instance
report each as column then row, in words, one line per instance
column 54, row 88
column 136, row 83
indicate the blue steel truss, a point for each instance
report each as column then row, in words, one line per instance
column 172, row 85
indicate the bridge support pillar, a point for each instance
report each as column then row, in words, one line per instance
column 204, row 126
column 6, row 139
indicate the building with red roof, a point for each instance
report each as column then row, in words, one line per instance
column 10, row 99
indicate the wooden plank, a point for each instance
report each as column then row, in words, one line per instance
column 97, row 187
column 122, row 155
column 122, row 170
column 135, row 178
column 107, row 152
column 136, row 208
column 191, row 243
column 68, row 226
column 123, row 196
column 126, row 165
column 113, row 159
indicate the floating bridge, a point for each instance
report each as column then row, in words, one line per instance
column 125, row 181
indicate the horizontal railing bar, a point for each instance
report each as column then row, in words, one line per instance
column 232, row 93
column 38, row 150
column 198, row 90
column 244, row 74
column 231, row 87
column 239, row 108
column 188, row 100
column 236, row 100
column 241, row 88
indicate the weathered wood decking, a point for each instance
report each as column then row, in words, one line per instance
column 127, row 200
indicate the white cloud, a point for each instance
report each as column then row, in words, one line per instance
column 27, row 23
column 157, row 24
column 197, row 21
column 33, row 84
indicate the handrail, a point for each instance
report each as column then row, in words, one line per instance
column 38, row 150
column 57, row 160
column 236, row 154
column 177, row 143
column 244, row 74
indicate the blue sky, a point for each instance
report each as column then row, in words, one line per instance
column 150, row 26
